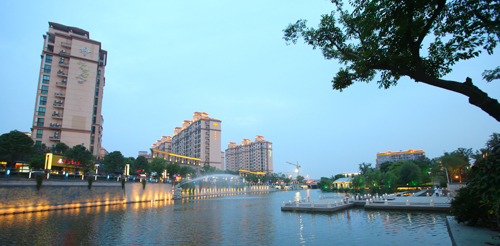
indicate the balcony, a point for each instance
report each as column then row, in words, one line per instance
column 63, row 64
column 64, row 53
column 55, row 138
column 61, row 74
column 55, row 125
column 64, row 44
column 60, row 84
column 57, row 105
column 57, row 116
column 58, row 94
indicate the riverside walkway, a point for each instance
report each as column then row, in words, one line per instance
column 338, row 202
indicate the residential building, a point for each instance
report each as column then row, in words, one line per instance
column 199, row 138
column 398, row 156
column 250, row 156
column 103, row 153
column 70, row 90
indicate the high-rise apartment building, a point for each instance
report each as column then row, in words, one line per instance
column 70, row 88
column 399, row 156
column 197, row 138
column 251, row 156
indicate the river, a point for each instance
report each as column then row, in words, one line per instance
column 250, row 219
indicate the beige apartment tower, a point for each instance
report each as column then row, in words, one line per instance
column 197, row 138
column 70, row 89
column 250, row 156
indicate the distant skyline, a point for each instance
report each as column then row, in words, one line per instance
column 168, row 59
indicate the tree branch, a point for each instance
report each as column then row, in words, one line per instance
column 430, row 22
column 476, row 96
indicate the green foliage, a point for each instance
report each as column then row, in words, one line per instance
column 185, row 171
column 141, row 163
column 325, row 184
column 364, row 167
column 80, row 154
column 384, row 166
column 37, row 162
column 114, row 162
column 61, row 148
column 300, row 178
column 39, row 181
column 480, row 199
column 387, row 37
column 158, row 165
column 207, row 170
column 131, row 162
column 173, row 169
column 14, row 146
column 357, row 182
column 90, row 180
column 409, row 174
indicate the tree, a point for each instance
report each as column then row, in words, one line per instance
column 79, row 153
column 455, row 164
column 61, row 148
column 172, row 169
column 384, row 166
column 158, row 165
column 113, row 162
column 363, row 167
column 387, row 37
column 409, row 173
column 14, row 146
column 141, row 164
column 207, row 169
column 38, row 162
column 300, row 178
column 185, row 171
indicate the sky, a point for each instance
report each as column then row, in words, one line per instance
column 168, row 59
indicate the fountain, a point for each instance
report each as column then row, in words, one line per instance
column 178, row 189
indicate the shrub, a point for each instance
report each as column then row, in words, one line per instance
column 90, row 180
column 39, row 180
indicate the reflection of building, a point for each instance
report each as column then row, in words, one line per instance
column 399, row 156
column 69, row 91
column 198, row 139
column 252, row 156
column 342, row 183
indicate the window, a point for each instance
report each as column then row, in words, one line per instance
column 98, row 73
column 93, row 129
column 39, row 121
column 39, row 133
column 41, row 111
column 92, row 140
column 38, row 143
column 96, row 92
column 46, row 69
column 95, row 100
column 43, row 100
column 95, row 111
column 45, row 79
column 93, row 120
column 97, row 83
column 45, row 89
column 48, row 58
column 91, row 149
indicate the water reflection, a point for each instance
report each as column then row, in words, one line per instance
column 251, row 219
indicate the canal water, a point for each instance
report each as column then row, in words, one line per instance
column 251, row 219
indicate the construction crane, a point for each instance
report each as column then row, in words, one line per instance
column 296, row 165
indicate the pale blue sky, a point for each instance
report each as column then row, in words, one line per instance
column 167, row 59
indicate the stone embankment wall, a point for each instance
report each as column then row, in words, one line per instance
column 23, row 196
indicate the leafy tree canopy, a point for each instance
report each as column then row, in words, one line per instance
column 158, row 165
column 388, row 37
column 185, row 171
column 141, row 164
column 172, row 169
column 409, row 173
column 113, row 161
column 80, row 154
column 14, row 146
column 38, row 162
column 61, row 148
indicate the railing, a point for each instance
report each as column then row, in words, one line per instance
column 55, row 138
column 57, row 116
column 64, row 44
column 61, row 84
column 58, row 94
column 64, row 53
column 63, row 64
column 57, row 105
